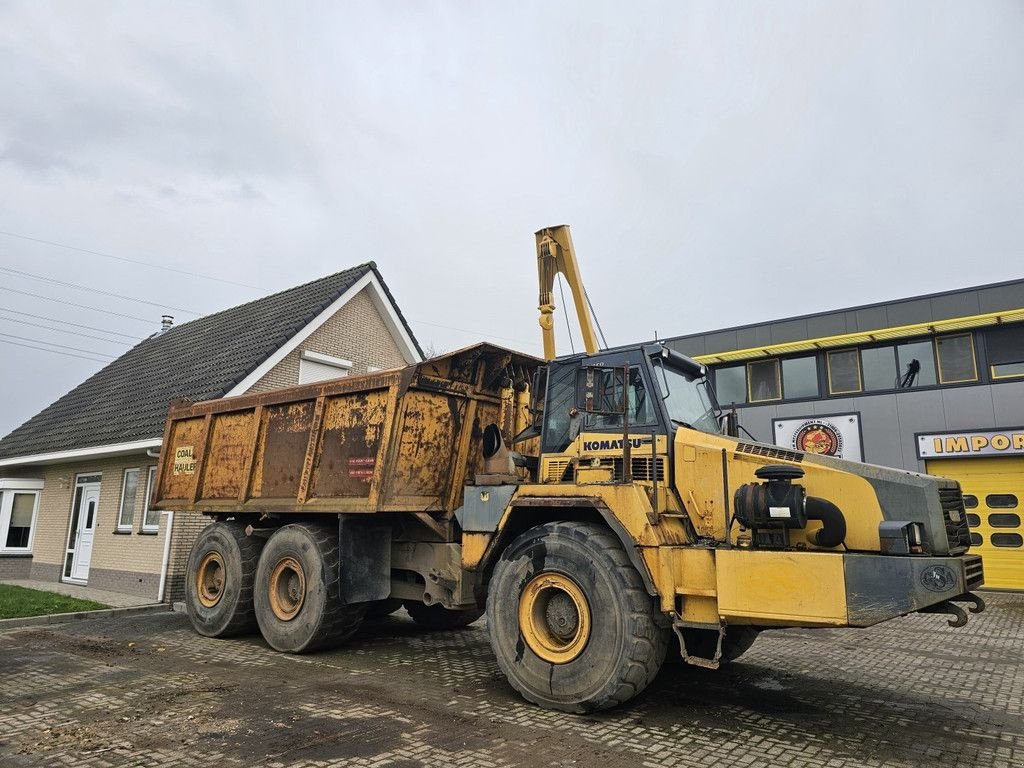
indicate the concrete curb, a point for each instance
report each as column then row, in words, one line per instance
column 63, row 618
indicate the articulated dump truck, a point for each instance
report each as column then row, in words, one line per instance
column 590, row 504
column 624, row 522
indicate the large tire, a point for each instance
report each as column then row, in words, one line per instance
column 296, row 599
column 437, row 618
column 219, row 580
column 571, row 624
column 737, row 641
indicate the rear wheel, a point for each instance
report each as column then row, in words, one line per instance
column 438, row 618
column 219, row 580
column 296, row 597
column 571, row 624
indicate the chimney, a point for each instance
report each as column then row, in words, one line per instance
column 166, row 321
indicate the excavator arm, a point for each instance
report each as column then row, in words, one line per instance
column 555, row 254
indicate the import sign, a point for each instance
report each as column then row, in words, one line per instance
column 964, row 445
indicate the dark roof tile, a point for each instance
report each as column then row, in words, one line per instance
column 199, row 360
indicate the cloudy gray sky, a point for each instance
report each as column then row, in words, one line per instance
column 720, row 163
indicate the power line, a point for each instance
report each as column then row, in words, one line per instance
column 54, row 344
column 466, row 330
column 66, row 284
column 53, row 351
column 64, row 330
column 72, row 304
column 129, row 261
column 77, row 325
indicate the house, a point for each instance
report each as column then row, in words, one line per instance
column 75, row 478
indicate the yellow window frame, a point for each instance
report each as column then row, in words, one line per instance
column 778, row 381
column 938, row 358
column 997, row 376
column 828, row 366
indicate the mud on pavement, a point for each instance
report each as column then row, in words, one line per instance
column 147, row 691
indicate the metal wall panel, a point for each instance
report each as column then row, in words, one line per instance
column 1000, row 297
column 909, row 312
column 968, row 408
column 918, row 412
column 790, row 330
column 880, row 430
column 1008, row 403
column 957, row 305
column 871, row 318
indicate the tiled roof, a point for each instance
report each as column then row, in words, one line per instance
column 199, row 360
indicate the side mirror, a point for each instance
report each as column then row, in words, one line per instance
column 601, row 390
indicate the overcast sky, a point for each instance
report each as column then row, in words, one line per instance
column 720, row 163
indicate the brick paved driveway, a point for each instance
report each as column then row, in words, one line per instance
column 146, row 691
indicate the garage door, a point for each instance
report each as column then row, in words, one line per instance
column 994, row 498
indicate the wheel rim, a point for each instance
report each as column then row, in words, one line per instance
column 287, row 588
column 210, row 579
column 554, row 618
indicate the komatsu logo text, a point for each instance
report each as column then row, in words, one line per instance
column 609, row 445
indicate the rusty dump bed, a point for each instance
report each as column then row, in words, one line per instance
column 401, row 440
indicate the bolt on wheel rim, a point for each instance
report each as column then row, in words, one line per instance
column 210, row 579
column 554, row 618
column 287, row 588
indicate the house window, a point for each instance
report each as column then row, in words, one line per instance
column 731, row 385
column 129, row 490
column 844, row 372
column 1006, row 352
column 879, row 367
column 956, row 359
column 799, row 377
column 916, row 360
column 19, row 508
column 150, row 517
column 314, row 366
column 764, row 381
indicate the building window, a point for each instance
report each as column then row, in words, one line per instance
column 129, row 490
column 879, row 367
column 916, row 361
column 956, row 359
column 19, row 508
column 844, row 372
column 314, row 366
column 150, row 517
column 799, row 377
column 1005, row 347
column 731, row 385
column 764, row 381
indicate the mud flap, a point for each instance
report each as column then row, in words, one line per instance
column 364, row 545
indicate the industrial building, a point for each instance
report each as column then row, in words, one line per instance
column 930, row 384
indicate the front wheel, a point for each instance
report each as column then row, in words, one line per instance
column 571, row 624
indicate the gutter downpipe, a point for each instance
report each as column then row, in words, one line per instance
column 167, row 555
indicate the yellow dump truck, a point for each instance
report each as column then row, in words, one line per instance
column 591, row 504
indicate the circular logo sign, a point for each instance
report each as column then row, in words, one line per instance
column 938, row 578
column 818, row 437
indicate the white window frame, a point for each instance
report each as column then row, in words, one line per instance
column 339, row 364
column 123, row 527
column 8, row 488
column 146, row 527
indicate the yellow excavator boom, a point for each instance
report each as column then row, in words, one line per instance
column 555, row 254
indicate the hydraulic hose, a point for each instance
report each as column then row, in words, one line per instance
column 833, row 530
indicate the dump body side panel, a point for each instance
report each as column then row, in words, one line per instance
column 396, row 441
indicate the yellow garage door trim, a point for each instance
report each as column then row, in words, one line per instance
column 994, row 496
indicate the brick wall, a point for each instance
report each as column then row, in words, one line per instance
column 187, row 526
column 356, row 332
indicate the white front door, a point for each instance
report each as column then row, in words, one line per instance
column 83, row 530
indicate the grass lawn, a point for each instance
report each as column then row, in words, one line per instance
column 16, row 602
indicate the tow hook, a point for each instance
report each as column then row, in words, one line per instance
column 958, row 616
column 977, row 604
